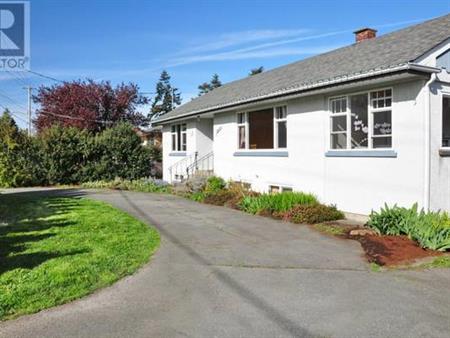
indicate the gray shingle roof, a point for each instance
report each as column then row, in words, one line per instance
column 384, row 52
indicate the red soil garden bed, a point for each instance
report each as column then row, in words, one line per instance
column 392, row 250
column 383, row 250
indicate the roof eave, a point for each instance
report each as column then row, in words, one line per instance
column 336, row 81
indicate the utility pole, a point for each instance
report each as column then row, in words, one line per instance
column 29, row 89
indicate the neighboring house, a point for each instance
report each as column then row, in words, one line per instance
column 151, row 136
column 358, row 126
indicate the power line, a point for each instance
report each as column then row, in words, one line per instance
column 45, row 76
column 18, row 116
column 14, row 102
column 18, row 78
column 75, row 118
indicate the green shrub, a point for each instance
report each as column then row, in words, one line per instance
column 64, row 154
column 68, row 155
column 198, row 196
column 20, row 157
column 311, row 214
column 140, row 185
column 118, row 152
column 430, row 229
column 270, row 203
column 214, row 184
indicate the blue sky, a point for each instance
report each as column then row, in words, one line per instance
column 134, row 40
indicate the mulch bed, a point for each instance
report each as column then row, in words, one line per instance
column 392, row 250
column 386, row 250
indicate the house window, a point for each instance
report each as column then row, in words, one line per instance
column 361, row 121
column 339, row 123
column 179, row 137
column 275, row 189
column 280, row 127
column 242, row 130
column 381, row 112
column 446, row 122
column 262, row 129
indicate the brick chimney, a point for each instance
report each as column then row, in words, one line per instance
column 365, row 34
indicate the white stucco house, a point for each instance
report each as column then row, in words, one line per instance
column 359, row 126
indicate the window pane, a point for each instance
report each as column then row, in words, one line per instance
column 359, row 128
column 183, row 143
column 183, row 127
column 241, row 118
column 241, row 131
column 261, row 129
column 339, row 123
column 173, row 129
column 273, row 189
column 286, row 189
column 382, row 124
column 280, row 112
column 339, row 105
column 339, row 141
column 382, row 142
column 446, row 122
column 174, row 142
column 178, row 136
column 282, row 134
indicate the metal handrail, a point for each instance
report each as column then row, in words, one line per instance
column 179, row 168
column 191, row 165
column 204, row 164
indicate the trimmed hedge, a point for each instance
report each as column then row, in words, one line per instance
column 311, row 214
column 68, row 155
column 270, row 203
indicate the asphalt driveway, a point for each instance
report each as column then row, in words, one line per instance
column 222, row 273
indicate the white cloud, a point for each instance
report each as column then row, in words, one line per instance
column 245, row 53
column 239, row 38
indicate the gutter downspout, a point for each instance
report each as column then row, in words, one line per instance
column 427, row 171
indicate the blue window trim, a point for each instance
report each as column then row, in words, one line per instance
column 178, row 153
column 261, row 154
column 361, row 153
column 444, row 152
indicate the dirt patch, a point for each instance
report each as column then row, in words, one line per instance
column 392, row 250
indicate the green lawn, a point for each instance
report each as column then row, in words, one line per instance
column 56, row 249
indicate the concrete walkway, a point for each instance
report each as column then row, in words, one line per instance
column 222, row 273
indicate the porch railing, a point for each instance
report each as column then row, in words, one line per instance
column 192, row 165
column 203, row 166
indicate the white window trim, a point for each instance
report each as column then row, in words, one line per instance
column 245, row 125
column 275, row 126
column 247, row 133
column 348, row 114
column 176, row 138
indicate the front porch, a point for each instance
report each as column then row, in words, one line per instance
column 191, row 149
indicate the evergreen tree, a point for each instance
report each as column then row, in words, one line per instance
column 167, row 97
column 255, row 71
column 8, row 131
column 215, row 82
column 206, row 87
